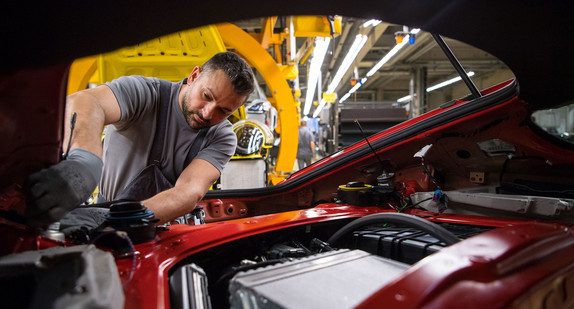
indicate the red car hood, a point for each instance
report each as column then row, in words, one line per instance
column 530, row 37
column 40, row 40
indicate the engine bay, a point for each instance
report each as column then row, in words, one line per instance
column 377, row 216
column 270, row 268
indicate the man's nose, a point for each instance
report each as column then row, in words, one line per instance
column 208, row 111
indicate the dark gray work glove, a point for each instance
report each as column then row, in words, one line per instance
column 54, row 191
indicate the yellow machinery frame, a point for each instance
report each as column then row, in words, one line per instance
column 82, row 70
column 245, row 45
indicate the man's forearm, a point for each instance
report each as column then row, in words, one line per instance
column 189, row 189
column 170, row 204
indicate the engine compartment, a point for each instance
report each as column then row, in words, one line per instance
column 483, row 184
column 277, row 264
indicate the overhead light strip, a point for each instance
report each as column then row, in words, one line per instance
column 379, row 64
column 356, row 47
column 390, row 54
column 448, row 82
column 438, row 86
column 385, row 59
column 321, row 47
column 371, row 23
column 319, row 108
column 345, row 97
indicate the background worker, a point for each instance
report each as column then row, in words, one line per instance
column 144, row 143
column 306, row 146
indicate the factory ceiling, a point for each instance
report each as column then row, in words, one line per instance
column 394, row 79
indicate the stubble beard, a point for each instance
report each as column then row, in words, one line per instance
column 190, row 114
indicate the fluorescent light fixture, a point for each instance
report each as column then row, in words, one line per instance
column 377, row 66
column 437, row 86
column 319, row 108
column 385, row 59
column 358, row 85
column 390, row 54
column 448, row 82
column 358, row 44
column 345, row 97
column 321, row 47
column 404, row 99
column 354, row 88
column 371, row 23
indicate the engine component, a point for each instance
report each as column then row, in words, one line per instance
column 280, row 251
column 396, row 218
column 188, row 288
column 134, row 219
column 496, row 147
column 295, row 284
column 386, row 182
column 360, row 194
column 407, row 245
column 471, row 201
column 198, row 215
column 356, row 193
column 61, row 277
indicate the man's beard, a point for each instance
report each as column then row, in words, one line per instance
column 190, row 118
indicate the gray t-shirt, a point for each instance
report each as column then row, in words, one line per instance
column 127, row 143
column 304, row 144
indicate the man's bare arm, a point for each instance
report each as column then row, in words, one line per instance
column 54, row 191
column 94, row 108
column 189, row 189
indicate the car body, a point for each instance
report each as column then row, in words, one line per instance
column 508, row 183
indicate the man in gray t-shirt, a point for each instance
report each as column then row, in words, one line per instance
column 306, row 146
column 129, row 107
column 127, row 142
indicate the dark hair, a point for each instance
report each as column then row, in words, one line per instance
column 237, row 69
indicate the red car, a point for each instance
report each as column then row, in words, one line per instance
column 469, row 205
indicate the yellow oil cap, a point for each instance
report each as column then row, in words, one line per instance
column 355, row 186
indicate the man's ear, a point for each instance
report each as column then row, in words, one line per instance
column 193, row 75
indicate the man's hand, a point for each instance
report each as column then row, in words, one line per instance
column 54, row 191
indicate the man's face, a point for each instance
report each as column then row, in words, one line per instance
column 208, row 99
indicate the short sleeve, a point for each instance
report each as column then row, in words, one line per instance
column 219, row 145
column 136, row 95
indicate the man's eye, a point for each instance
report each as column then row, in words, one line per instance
column 206, row 96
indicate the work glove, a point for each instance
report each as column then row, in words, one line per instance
column 54, row 191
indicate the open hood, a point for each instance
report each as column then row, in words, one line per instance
column 40, row 41
column 531, row 38
column 452, row 205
